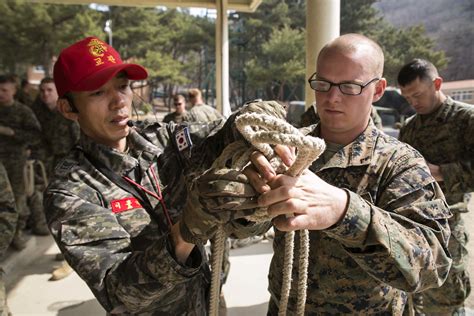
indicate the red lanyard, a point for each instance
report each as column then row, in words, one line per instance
column 158, row 196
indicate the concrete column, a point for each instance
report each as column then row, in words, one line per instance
column 322, row 25
column 222, row 59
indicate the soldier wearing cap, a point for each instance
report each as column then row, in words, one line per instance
column 115, row 203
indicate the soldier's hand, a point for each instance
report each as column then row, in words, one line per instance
column 260, row 171
column 7, row 131
column 304, row 202
column 215, row 199
column 436, row 172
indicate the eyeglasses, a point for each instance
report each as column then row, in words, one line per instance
column 348, row 88
column 176, row 104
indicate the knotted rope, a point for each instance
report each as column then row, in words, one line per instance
column 262, row 131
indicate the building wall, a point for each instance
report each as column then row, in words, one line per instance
column 462, row 90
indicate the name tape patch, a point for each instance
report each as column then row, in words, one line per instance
column 126, row 204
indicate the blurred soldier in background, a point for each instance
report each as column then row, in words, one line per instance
column 19, row 128
column 179, row 115
column 8, row 222
column 199, row 111
column 442, row 130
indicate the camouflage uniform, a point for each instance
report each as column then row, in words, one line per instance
column 126, row 257
column 446, row 138
column 8, row 219
column 392, row 238
column 310, row 116
column 57, row 138
column 175, row 117
column 21, row 119
column 203, row 113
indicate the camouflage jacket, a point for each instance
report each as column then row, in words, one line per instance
column 392, row 239
column 120, row 250
column 22, row 120
column 59, row 134
column 8, row 214
column 174, row 117
column 446, row 138
column 203, row 113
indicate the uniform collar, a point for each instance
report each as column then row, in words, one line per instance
column 141, row 153
column 440, row 113
column 357, row 153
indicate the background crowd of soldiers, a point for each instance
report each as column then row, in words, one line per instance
column 34, row 136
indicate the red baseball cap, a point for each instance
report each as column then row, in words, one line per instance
column 88, row 64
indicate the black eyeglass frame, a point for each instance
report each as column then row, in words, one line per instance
column 331, row 84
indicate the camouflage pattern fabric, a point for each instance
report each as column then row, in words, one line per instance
column 310, row 116
column 8, row 214
column 175, row 117
column 8, row 222
column 203, row 113
column 58, row 135
column 446, row 138
column 392, row 239
column 122, row 252
column 13, row 150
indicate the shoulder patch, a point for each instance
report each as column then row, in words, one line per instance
column 64, row 167
column 183, row 139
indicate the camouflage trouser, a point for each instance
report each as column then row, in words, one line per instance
column 15, row 169
column 4, row 311
column 449, row 298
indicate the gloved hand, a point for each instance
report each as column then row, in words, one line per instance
column 215, row 199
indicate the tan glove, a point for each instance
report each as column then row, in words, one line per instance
column 215, row 199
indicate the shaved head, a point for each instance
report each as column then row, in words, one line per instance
column 358, row 46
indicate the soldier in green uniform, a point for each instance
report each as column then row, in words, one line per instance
column 378, row 221
column 115, row 202
column 200, row 112
column 19, row 128
column 442, row 130
column 179, row 115
column 8, row 219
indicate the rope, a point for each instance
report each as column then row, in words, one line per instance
column 29, row 175
column 262, row 131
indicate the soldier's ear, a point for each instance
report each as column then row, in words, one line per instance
column 379, row 89
column 437, row 83
column 66, row 109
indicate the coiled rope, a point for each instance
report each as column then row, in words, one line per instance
column 262, row 131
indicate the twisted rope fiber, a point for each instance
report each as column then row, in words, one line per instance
column 262, row 131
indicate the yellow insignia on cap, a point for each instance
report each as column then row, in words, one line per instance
column 97, row 48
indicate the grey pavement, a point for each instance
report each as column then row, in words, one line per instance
column 30, row 292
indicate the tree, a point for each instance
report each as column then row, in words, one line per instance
column 282, row 62
column 32, row 33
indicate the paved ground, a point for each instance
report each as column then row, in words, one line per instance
column 30, row 292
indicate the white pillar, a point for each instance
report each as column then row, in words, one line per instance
column 222, row 59
column 322, row 25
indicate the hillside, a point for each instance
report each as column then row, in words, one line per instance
column 450, row 23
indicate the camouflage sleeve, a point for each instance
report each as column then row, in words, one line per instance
column 8, row 214
column 125, row 278
column 403, row 240
column 29, row 130
column 459, row 175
